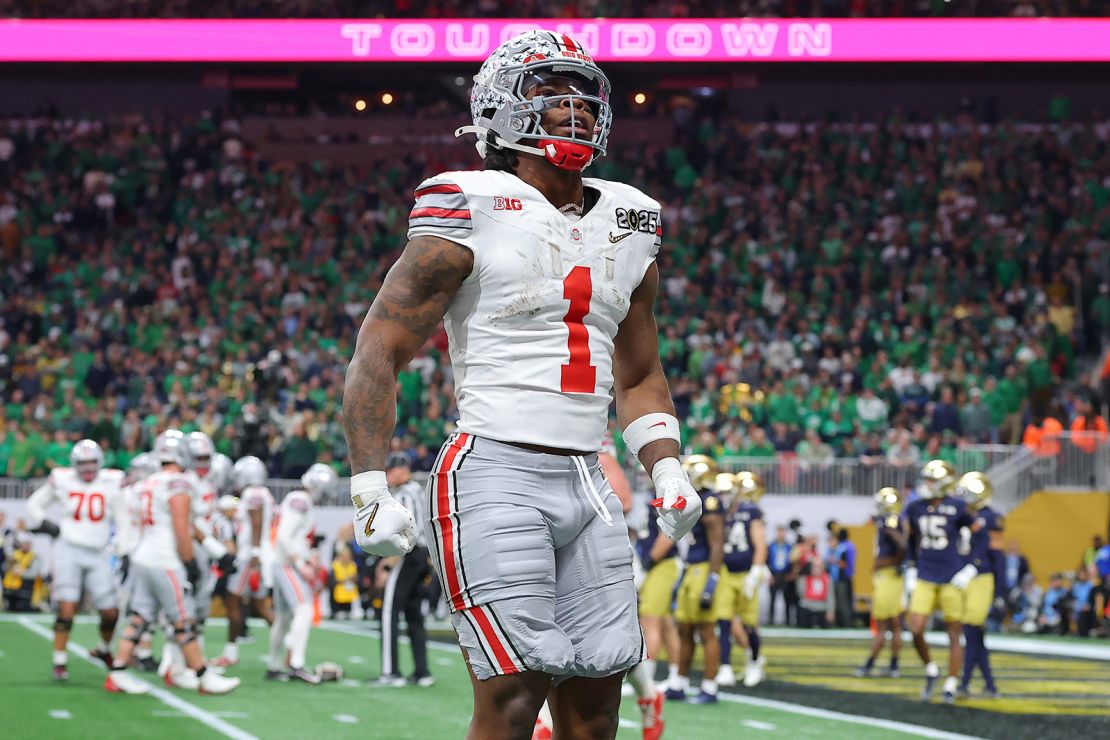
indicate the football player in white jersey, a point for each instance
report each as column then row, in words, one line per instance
column 295, row 572
column 254, row 553
column 545, row 282
column 202, row 454
column 165, row 572
column 142, row 467
column 93, row 502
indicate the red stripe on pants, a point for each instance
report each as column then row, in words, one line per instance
column 503, row 660
column 296, row 586
column 177, row 593
column 447, row 533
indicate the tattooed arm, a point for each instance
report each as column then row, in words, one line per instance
column 408, row 308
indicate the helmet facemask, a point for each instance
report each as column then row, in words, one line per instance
column 527, row 77
column 87, row 459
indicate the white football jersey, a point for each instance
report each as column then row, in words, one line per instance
column 255, row 497
column 204, row 502
column 294, row 526
column 531, row 329
column 90, row 510
column 157, row 546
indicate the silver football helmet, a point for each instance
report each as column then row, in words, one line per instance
column 248, row 471
column 219, row 473
column 171, row 447
column 320, row 481
column 506, row 117
column 87, row 459
column 142, row 467
column 201, row 450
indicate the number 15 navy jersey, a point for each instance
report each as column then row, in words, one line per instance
column 935, row 528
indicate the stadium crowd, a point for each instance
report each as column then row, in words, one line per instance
column 895, row 289
column 564, row 9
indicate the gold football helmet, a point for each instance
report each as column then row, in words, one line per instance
column 938, row 479
column 975, row 488
column 749, row 486
column 888, row 506
column 702, row 471
column 724, row 483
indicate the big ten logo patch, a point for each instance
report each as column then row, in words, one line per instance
column 501, row 203
column 645, row 221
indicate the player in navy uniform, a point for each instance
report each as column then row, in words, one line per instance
column 745, row 561
column 985, row 552
column 886, row 594
column 659, row 561
column 699, row 584
column 941, row 573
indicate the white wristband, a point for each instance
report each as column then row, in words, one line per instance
column 649, row 428
column 365, row 483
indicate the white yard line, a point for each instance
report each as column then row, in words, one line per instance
column 755, row 724
column 627, row 724
column 997, row 643
column 170, row 700
column 885, row 724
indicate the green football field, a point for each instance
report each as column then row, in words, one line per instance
column 796, row 702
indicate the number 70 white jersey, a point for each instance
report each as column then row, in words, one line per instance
column 531, row 329
column 90, row 511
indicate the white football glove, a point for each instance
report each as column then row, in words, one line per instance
column 964, row 577
column 679, row 504
column 910, row 580
column 756, row 577
column 383, row 527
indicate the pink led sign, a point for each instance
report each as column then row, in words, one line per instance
column 651, row 40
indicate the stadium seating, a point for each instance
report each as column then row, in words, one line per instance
column 844, row 280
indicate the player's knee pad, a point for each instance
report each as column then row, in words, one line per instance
column 62, row 624
column 135, row 629
column 185, row 632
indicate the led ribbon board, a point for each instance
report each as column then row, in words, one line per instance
column 629, row 40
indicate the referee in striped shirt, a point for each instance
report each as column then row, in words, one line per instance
column 402, row 579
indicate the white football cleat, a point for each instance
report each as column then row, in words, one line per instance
column 122, row 682
column 183, row 678
column 213, row 683
column 753, row 672
column 726, row 676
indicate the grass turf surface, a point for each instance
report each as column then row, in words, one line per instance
column 813, row 673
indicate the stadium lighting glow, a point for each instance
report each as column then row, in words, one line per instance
column 639, row 98
column 360, row 105
column 387, row 98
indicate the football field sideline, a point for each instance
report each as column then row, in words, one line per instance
column 350, row 708
column 799, row 709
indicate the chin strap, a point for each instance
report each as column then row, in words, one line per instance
column 565, row 155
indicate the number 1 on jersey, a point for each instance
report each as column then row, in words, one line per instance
column 578, row 376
